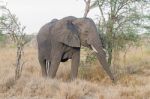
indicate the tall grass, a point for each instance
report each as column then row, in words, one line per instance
column 92, row 83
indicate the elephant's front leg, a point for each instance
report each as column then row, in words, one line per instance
column 75, row 63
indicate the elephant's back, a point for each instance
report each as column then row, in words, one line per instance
column 45, row 31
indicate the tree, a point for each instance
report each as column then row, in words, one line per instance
column 9, row 24
column 118, row 23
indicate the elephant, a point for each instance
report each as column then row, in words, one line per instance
column 60, row 40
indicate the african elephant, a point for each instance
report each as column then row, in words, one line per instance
column 60, row 40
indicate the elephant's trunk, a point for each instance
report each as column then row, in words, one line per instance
column 101, row 55
column 105, row 65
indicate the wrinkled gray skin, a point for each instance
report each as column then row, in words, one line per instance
column 61, row 40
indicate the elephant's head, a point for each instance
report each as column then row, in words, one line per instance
column 75, row 32
column 89, row 37
column 88, row 32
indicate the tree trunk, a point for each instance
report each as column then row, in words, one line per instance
column 110, row 38
column 110, row 48
column 18, row 63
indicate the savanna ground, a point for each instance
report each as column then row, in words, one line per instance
column 133, row 78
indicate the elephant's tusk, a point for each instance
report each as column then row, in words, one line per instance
column 94, row 49
column 47, row 67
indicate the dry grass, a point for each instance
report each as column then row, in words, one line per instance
column 92, row 83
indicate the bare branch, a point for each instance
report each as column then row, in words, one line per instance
column 87, row 7
column 101, row 11
column 122, row 4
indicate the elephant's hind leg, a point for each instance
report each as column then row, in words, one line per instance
column 43, row 66
column 56, row 53
column 56, row 59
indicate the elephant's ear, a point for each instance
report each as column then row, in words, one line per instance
column 67, row 33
